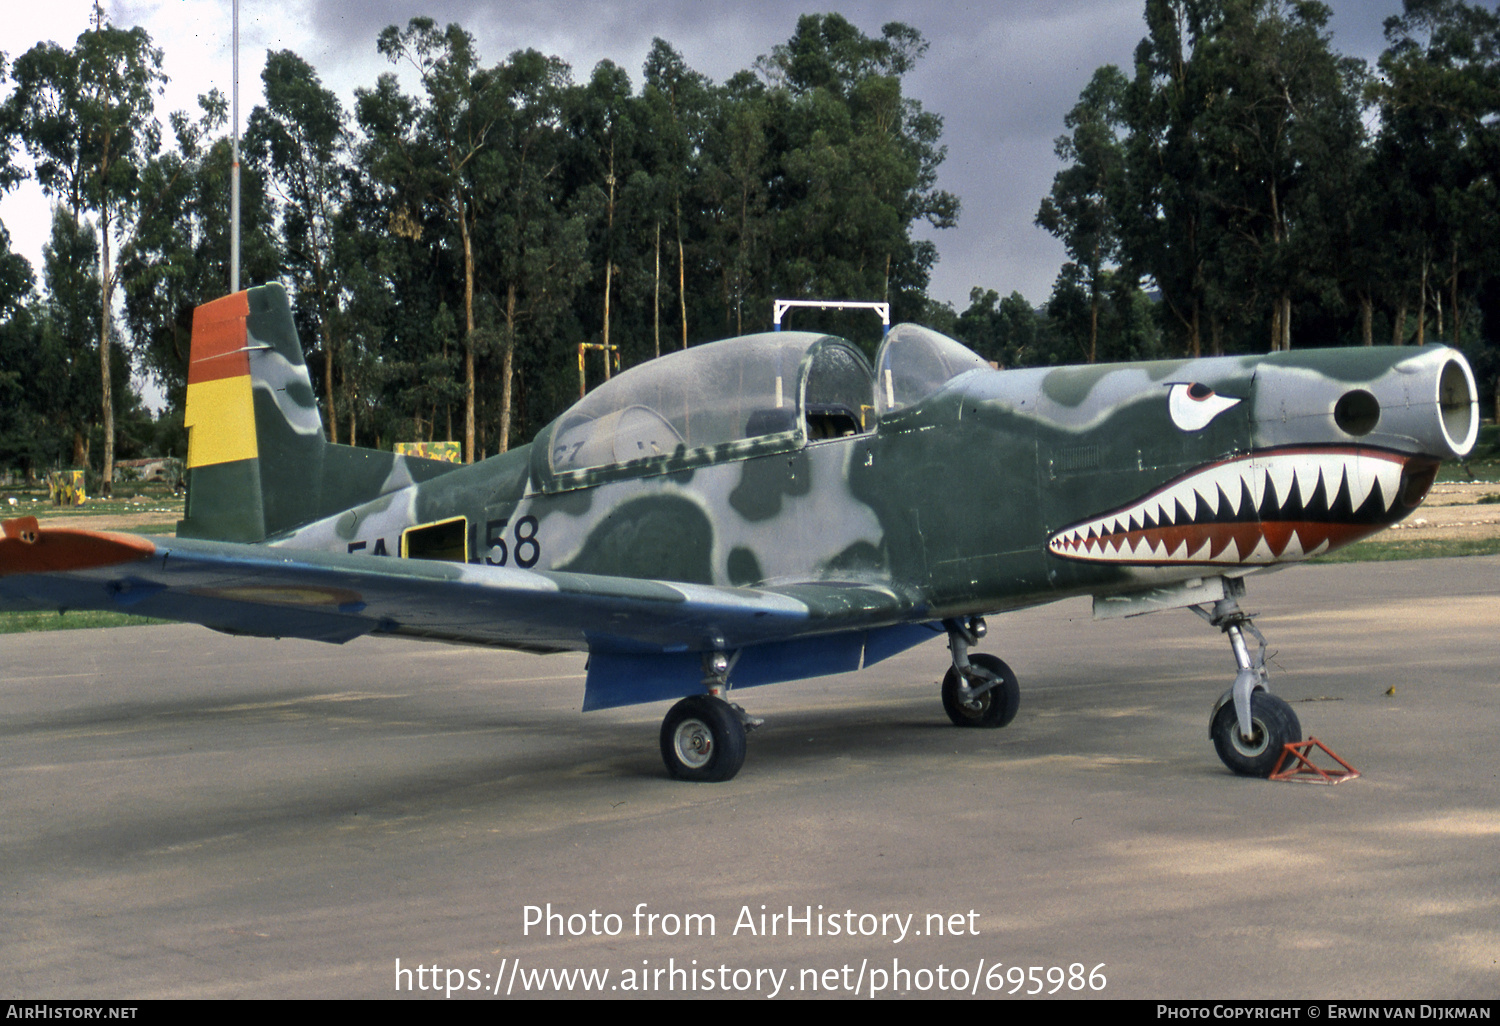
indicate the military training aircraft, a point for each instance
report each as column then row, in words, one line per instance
column 771, row 508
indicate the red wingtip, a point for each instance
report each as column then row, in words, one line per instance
column 28, row 549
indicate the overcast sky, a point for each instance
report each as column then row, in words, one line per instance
column 1001, row 74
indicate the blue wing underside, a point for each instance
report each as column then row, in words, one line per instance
column 645, row 638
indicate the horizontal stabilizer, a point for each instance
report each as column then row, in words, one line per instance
column 27, row 549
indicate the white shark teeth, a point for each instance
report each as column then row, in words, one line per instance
column 1205, row 516
column 1207, row 494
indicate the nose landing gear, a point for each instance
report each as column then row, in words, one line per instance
column 1249, row 725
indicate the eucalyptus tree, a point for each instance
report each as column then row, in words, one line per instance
column 182, row 248
column 539, row 226
column 1284, row 117
column 87, row 118
column 857, row 164
column 401, row 286
column 737, row 183
column 11, row 173
column 675, row 101
column 1006, row 331
column 300, row 137
column 1169, row 231
column 1083, row 209
column 66, row 389
column 602, row 118
column 425, row 149
column 1242, row 121
column 1439, row 96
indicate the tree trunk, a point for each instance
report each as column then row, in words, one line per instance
column 681, row 275
column 506, row 365
column 106, row 287
column 1093, row 303
column 463, row 228
column 1094, row 324
column 608, row 270
column 333, row 420
column 609, row 250
column 1195, row 337
column 1398, row 329
column 1453, row 285
column 1366, row 314
column 656, row 295
column 325, row 330
column 1422, row 304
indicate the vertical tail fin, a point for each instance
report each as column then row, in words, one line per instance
column 255, row 439
column 257, row 462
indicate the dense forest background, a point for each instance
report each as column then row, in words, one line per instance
column 1242, row 188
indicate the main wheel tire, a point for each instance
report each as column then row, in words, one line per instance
column 702, row 739
column 1275, row 726
column 995, row 708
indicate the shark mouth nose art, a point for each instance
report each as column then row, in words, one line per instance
column 1258, row 509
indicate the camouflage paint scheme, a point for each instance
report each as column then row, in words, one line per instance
column 969, row 491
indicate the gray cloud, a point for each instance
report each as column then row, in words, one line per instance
column 1001, row 74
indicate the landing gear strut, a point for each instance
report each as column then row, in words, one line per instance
column 1249, row 725
column 980, row 690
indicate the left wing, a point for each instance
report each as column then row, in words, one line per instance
column 646, row 638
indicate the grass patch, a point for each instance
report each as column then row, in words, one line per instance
column 77, row 619
column 1485, row 471
column 1483, row 463
column 98, row 507
column 1429, row 548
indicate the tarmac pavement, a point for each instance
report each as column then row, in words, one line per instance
column 185, row 814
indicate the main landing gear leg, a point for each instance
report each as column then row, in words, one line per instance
column 703, row 736
column 1249, row 725
column 980, row 690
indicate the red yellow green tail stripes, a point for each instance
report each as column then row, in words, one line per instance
column 258, row 463
column 220, row 415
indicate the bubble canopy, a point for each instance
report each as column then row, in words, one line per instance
column 745, row 396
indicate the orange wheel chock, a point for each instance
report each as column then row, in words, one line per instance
column 1301, row 765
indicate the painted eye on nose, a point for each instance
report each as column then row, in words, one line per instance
column 1193, row 405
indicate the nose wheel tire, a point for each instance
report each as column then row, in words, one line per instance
column 702, row 739
column 995, row 708
column 1274, row 724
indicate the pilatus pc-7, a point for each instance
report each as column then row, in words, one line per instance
column 772, row 507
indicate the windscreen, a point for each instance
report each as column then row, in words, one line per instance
column 915, row 361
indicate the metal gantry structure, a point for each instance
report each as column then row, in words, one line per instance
column 781, row 306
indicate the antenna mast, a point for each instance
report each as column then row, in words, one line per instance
column 234, row 170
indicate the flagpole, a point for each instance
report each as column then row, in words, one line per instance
column 234, row 171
